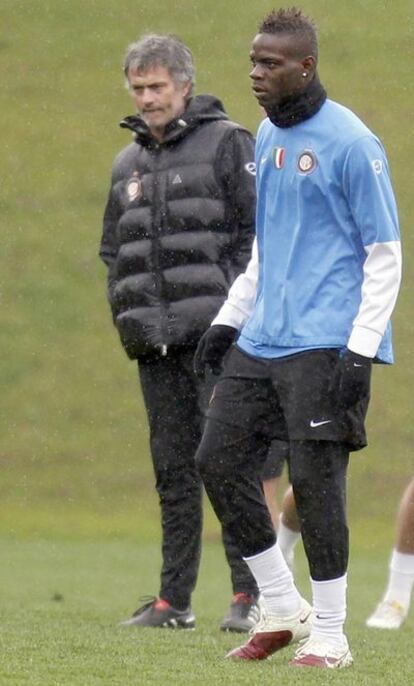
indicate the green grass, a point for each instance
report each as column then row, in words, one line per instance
column 73, row 446
column 62, row 604
column 78, row 513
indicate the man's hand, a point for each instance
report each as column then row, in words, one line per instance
column 212, row 347
column 352, row 378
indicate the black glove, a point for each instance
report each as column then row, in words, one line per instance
column 212, row 347
column 352, row 378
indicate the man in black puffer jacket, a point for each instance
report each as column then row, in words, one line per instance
column 178, row 228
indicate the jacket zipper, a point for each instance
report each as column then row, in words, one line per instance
column 156, row 230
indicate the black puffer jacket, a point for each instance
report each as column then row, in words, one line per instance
column 178, row 226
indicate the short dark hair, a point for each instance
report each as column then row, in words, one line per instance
column 154, row 50
column 292, row 21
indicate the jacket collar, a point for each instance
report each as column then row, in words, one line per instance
column 201, row 108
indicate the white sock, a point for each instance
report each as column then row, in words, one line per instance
column 329, row 609
column 401, row 579
column 287, row 540
column 275, row 582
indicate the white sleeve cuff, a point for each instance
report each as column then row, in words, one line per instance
column 364, row 341
column 230, row 316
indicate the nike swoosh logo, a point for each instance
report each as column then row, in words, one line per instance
column 305, row 619
column 358, row 365
column 314, row 424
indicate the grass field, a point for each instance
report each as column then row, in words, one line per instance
column 64, row 601
column 78, row 514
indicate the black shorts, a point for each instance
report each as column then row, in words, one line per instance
column 277, row 457
column 287, row 398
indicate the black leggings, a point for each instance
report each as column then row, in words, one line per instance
column 175, row 400
column 230, row 459
column 318, row 476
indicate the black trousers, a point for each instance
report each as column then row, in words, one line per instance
column 175, row 401
column 254, row 402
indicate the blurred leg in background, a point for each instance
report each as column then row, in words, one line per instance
column 393, row 609
column 284, row 516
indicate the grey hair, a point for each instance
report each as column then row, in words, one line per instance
column 154, row 50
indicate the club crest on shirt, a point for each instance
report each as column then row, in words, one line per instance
column 278, row 157
column 377, row 166
column 250, row 167
column 307, row 162
column 134, row 187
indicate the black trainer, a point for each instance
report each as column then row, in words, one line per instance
column 242, row 615
column 157, row 612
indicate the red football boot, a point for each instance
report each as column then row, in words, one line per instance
column 274, row 632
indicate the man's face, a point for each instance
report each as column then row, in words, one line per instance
column 158, row 98
column 277, row 72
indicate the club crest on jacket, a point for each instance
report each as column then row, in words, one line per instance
column 134, row 187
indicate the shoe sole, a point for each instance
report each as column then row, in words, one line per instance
column 174, row 624
column 372, row 624
column 168, row 624
column 322, row 663
column 236, row 629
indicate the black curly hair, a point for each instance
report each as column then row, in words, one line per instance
column 293, row 22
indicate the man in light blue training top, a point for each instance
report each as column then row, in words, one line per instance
column 312, row 312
